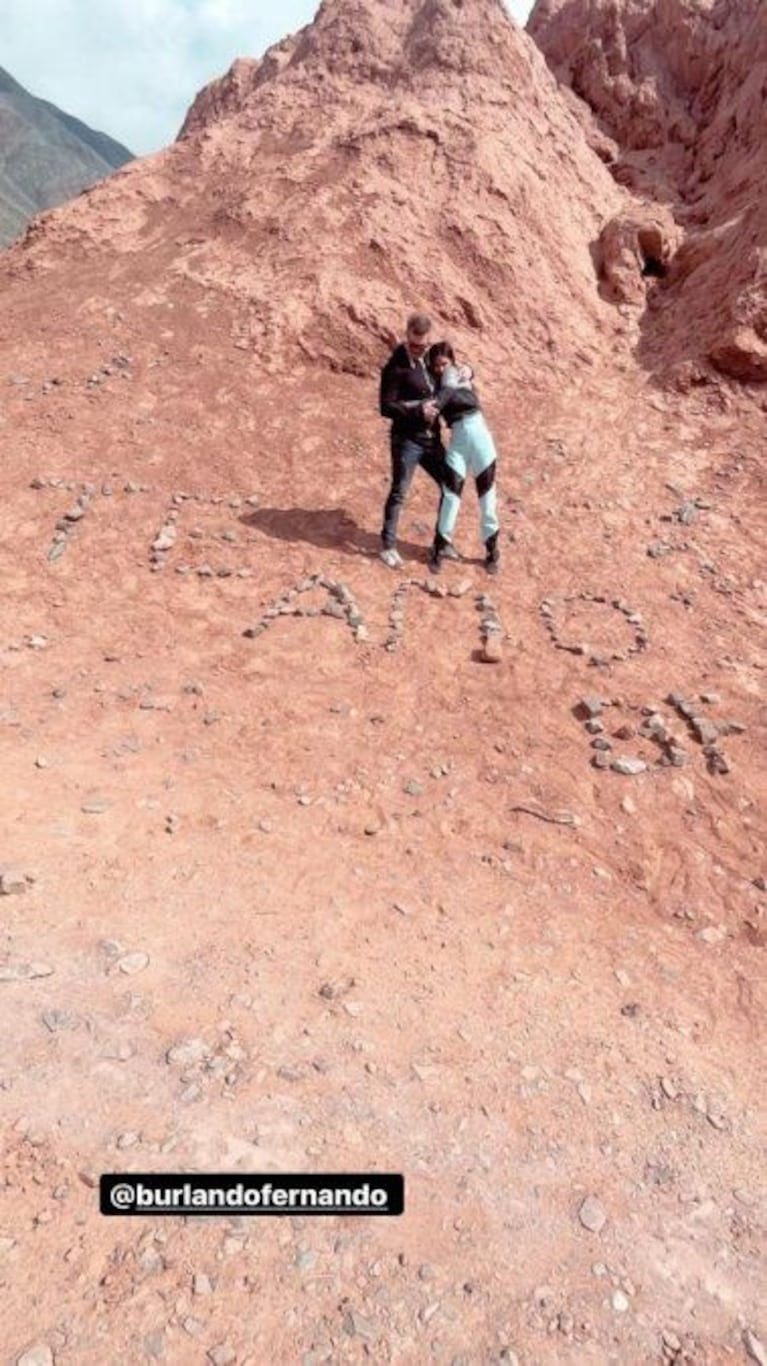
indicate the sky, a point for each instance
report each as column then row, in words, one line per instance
column 131, row 68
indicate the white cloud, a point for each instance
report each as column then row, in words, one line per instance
column 520, row 9
column 131, row 68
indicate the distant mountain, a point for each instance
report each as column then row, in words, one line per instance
column 46, row 156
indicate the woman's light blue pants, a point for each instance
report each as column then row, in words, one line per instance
column 471, row 452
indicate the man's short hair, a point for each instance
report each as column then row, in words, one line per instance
column 418, row 324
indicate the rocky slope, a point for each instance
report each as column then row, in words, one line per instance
column 441, row 170
column 679, row 90
column 291, row 879
column 46, row 156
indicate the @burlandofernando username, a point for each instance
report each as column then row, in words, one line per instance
column 133, row 1195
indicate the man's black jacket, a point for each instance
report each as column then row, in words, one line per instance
column 405, row 385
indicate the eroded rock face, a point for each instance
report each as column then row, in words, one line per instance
column 637, row 247
column 680, row 88
column 394, row 154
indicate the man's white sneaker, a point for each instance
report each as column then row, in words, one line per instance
column 392, row 558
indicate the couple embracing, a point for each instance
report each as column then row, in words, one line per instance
column 419, row 384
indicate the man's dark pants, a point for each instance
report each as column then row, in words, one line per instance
column 406, row 455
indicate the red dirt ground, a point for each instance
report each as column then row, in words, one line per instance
column 414, row 926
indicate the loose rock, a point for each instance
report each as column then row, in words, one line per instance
column 133, row 963
column 223, row 1355
column 592, row 1214
column 12, row 882
column 40, row 1355
column 188, row 1052
column 754, row 1348
column 628, row 766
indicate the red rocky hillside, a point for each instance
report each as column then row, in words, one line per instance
column 680, row 91
column 393, row 151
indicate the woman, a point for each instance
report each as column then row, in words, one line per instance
column 471, row 452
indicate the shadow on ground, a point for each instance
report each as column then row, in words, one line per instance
column 326, row 528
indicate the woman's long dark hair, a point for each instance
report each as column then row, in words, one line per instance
column 437, row 351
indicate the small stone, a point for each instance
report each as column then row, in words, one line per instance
column 133, row 963
column 41, row 1355
column 23, row 972
column 413, row 788
column 492, row 652
column 677, row 756
column 95, row 806
column 713, row 934
column 707, row 732
column 754, row 1348
column 460, row 589
column 356, row 1325
column 624, row 733
column 128, row 1140
column 222, row 1355
column 591, row 706
column 54, row 1020
column 121, row 1052
column 592, row 1214
column 202, row 1284
column 628, row 766
column 291, row 1074
column 12, row 882
column 620, row 1302
column 151, row 1262
column 188, row 1053
column 668, row 1088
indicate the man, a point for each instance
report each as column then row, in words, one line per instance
column 405, row 386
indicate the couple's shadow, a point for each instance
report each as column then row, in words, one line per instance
column 327, row 528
